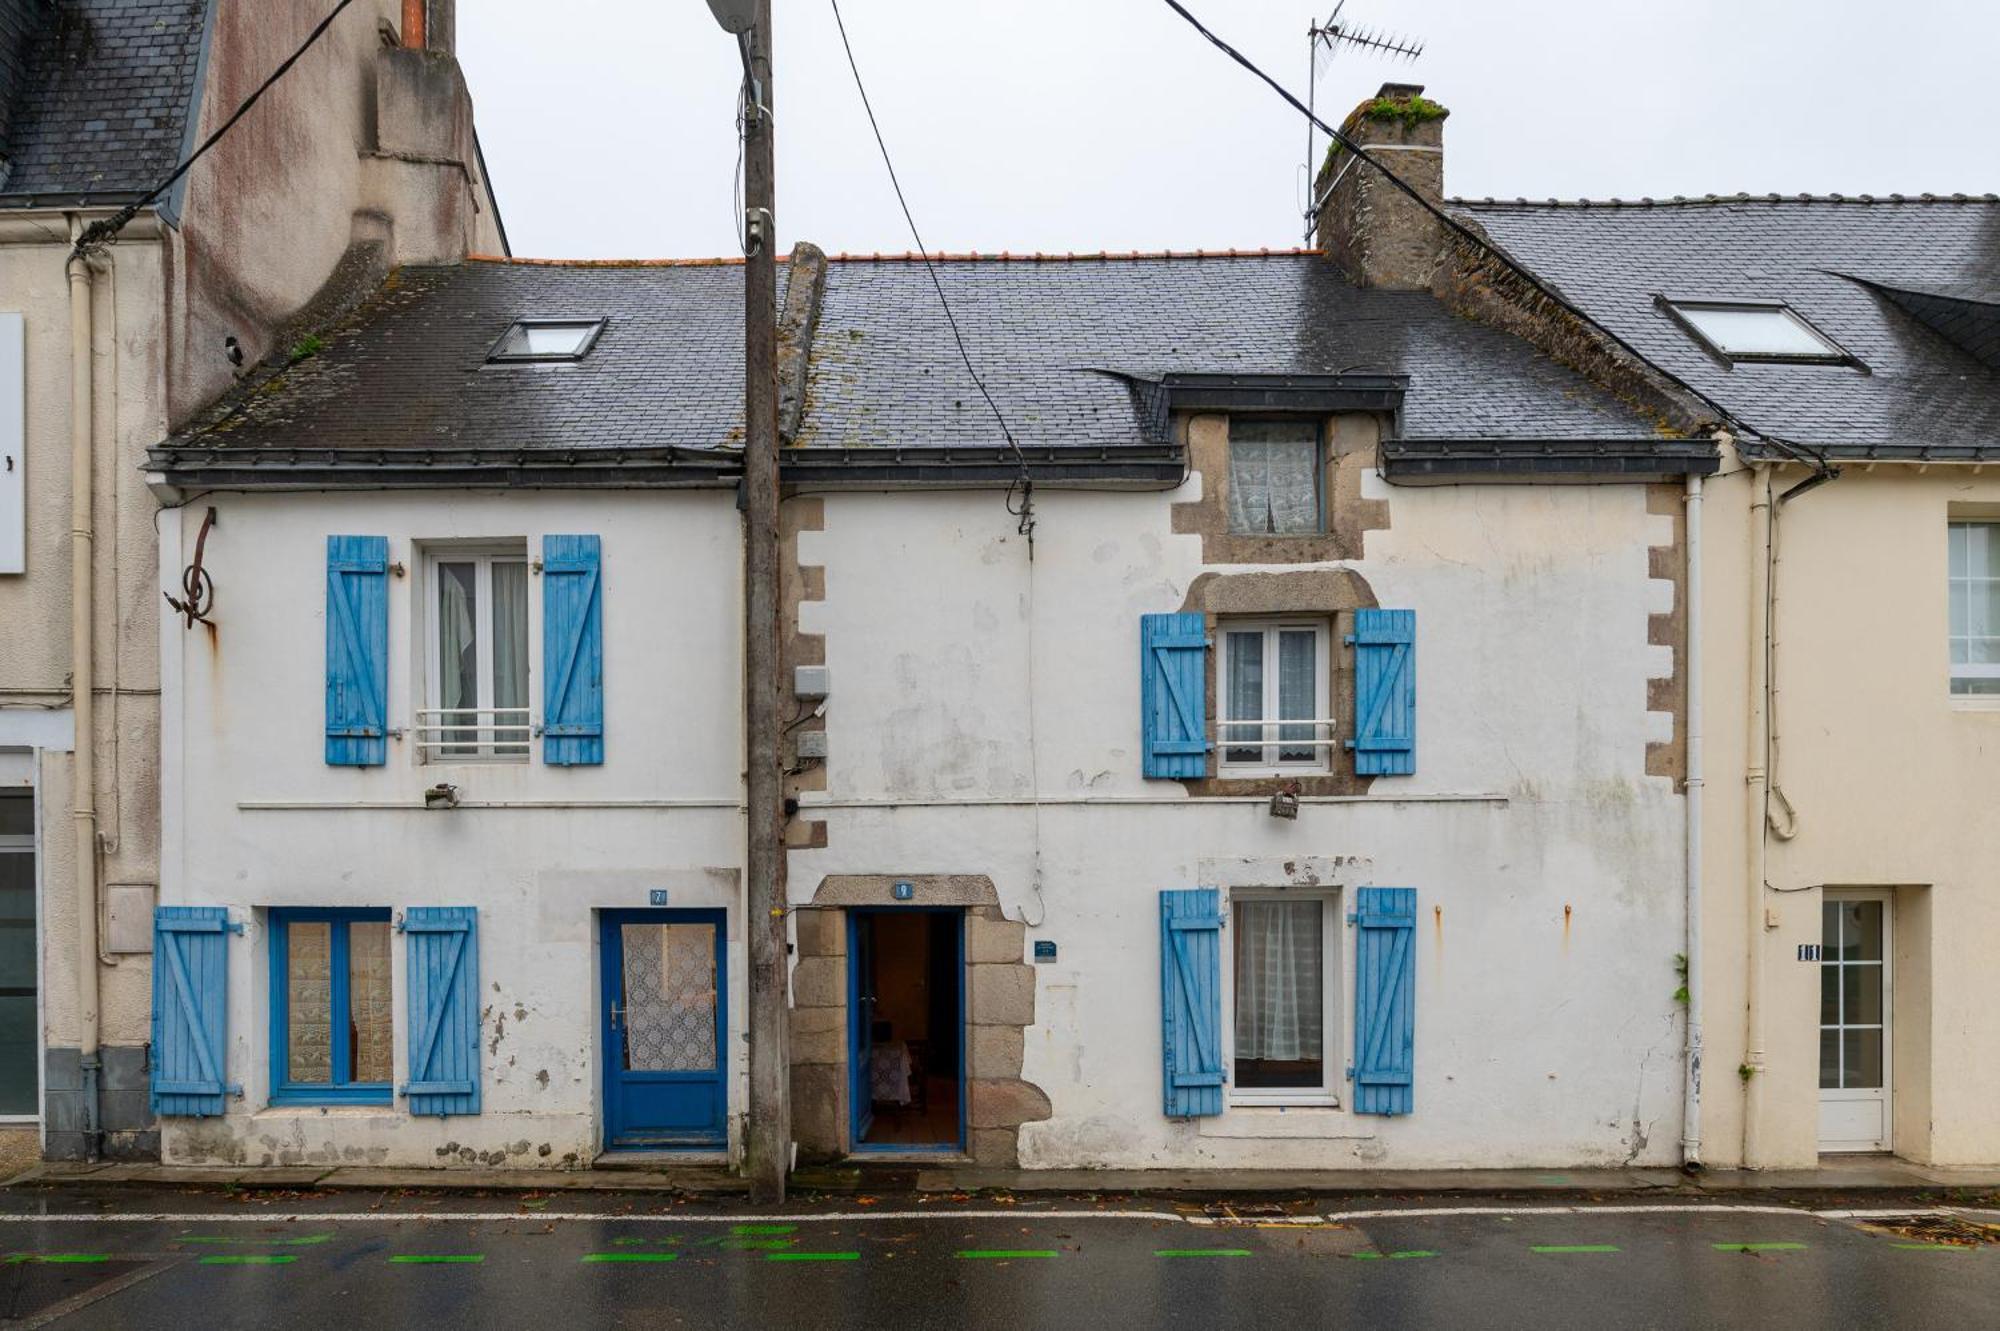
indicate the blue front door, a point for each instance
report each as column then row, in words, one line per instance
column 664, row 1029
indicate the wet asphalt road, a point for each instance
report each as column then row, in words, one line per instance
column 267, row 1260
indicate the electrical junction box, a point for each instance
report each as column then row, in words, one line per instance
column 811, row 743
column 128, row 917
column 810, row 681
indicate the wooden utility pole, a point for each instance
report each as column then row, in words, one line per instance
column 770, row 1139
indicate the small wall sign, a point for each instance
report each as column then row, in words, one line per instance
column 903, row 891
column 1809, row 951
column 656, row 896
column 1045, row 949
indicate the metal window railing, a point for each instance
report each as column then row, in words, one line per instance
column 472, row 732
column 1270, row 736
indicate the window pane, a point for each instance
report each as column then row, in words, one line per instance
column 1280, row 994
column 510, row 645
column 458, row 649
column 1956, row 558
column 309, row 1002
column 1751, row 331
column 1974, row 686
column 1244, row 697
column 1861, row 934
column 1983, row 550
column 1249, row 484
column 1861, row 1052
column 18, row 1045
column 669, row 1016
column 1829, row 995
column 1829, row 928
column 1861, row 995
column 370, row 1034
column 1829, row 1060
column 1274, row 476
column 1298, row 691
column 17, row 813
column 544, row 339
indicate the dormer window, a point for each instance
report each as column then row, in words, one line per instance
column 531, row 341
column 1756, row 331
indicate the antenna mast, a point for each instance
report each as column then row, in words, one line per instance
column 1334, row 34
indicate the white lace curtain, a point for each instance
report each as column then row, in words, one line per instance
column 1280, row 1002
column 1274, row 477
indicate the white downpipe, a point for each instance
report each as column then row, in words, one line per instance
column 1693, row 796
column 83, row 675
column 1756, row 788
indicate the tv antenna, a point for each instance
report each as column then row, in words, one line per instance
column 1332, row 35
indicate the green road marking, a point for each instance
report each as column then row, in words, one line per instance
column 756, row 1245
column 630, row 1256
column 1201, row 1252
column 1002, row 1254
column 762, row 1229
column 812, row 1256
column 59, row 1257
column 1932, row 1247
column 1574, row 1247
column 1758, row 1247
column 436, row 1259
column 1392, row 1256
column 246, row 1259
column 255, row 1243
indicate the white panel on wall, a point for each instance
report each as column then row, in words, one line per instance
column 13, row 445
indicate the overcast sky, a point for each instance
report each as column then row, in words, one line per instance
column 1109, row 124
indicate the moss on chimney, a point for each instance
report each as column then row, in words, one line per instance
column 1409, row 110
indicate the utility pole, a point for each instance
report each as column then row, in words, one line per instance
column 770, row 1137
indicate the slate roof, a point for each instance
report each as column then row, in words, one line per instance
column 1838, row 262
column 885, row 370
column 105, row 88
column 407, row 370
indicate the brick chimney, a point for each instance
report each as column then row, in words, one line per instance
column 1378, row 235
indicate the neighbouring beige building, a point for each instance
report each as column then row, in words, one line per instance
column 361, row 158
column 1842, row 752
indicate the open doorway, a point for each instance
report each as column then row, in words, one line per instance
column 906, row 1029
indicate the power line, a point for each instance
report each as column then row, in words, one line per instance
column 1023, row 484
column 1801, row 452
column 104, row 230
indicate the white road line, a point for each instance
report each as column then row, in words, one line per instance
column 850, row 1217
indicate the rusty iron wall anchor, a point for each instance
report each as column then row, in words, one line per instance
column 196, row 585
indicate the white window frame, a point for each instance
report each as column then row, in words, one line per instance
column 1967, row 670
column 588, row 331
column 1323, row 719
column 1333, row 979
column 1833, row 353
column 430, row 730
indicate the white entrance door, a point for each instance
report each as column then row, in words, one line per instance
column 1854, row 1022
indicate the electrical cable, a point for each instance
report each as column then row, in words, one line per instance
column 1799, row 452
column 1024, row 484
column 101, row 232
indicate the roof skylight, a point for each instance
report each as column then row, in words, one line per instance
column 528, row 340
column 1755, row 331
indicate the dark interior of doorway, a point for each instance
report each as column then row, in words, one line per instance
column 917, row 1029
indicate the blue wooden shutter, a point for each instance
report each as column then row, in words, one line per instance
column 1385, row 999
column 190, row 1010
column 1191, row 1001
column 1173, row 694
column 572, row 652
column 357, row 650
column 1385, row 692
column 443, row 1008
